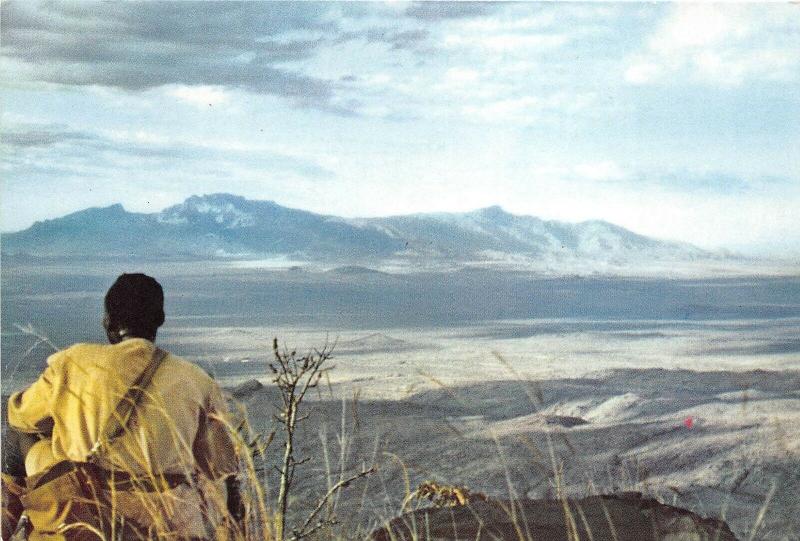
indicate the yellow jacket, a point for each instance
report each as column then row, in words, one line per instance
column 179, row 427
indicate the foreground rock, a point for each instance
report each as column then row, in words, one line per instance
column 625, row 517
column 247, row 388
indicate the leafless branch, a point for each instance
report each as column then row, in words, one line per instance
column 344, row 483
column 293, row 376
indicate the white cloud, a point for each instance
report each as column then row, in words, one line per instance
column 510, row 65
column 538, row 21
column 700, row 25
column 505, row 110
column 600, row 171
column 461, row 76
column 138, row 136
column 514, row 42
column 642, row 72
column 721, row 44
column 586, row 172
column 507, row 42
column 527, row 109
column 200, row 96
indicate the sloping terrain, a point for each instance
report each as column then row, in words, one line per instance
column 213, row 225
column 624, row 517
column 737, row 459
column 227, row 226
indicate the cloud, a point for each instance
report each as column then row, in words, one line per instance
column 449, row 10
column 201, row 96
column 318, row 55
column 712, row 182
column 724, row 44
column 506, row 65
column 398, row 39
column 601, row 171
column 37, row 151
column 507, row 42
column 697, row 181
column 461, row 76
column 704, row 183
column 41, row 136
column 525, row 110
column 203, row 48
column 137, row 46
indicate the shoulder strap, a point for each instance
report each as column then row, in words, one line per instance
column 118, row 420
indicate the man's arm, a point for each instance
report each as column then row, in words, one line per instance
column 215, row 451
column 215, row 448
column 29, row 410
column 26, row 417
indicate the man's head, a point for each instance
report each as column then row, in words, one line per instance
column 134, row 308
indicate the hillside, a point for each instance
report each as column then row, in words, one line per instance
column 228, row 226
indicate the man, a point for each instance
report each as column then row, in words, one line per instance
column 161, row 469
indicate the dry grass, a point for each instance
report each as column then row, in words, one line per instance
column 266, row 508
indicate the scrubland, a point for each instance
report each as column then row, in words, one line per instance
column 613, row 386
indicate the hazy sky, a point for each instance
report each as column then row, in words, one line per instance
column 679, row 121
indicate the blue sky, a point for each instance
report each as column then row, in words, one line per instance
column 679, row 121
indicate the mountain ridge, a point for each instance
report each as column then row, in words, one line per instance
column 231, row 226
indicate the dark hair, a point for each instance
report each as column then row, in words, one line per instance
column 136, row 302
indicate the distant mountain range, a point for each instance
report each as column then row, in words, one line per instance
column 229, row 226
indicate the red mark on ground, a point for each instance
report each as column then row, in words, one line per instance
column 688, row 422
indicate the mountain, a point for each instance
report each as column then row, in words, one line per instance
column 492, row 232
column 223, row 225
column 202, row 226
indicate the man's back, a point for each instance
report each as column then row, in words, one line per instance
column 82, row 386
column 178, row 427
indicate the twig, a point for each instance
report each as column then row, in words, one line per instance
column 42, row 339
column 293, row 376
column 299, row 534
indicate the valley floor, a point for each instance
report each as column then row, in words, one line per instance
column 704, row 416
column 686, row 390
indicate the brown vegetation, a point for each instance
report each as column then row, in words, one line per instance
column 624, row 517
